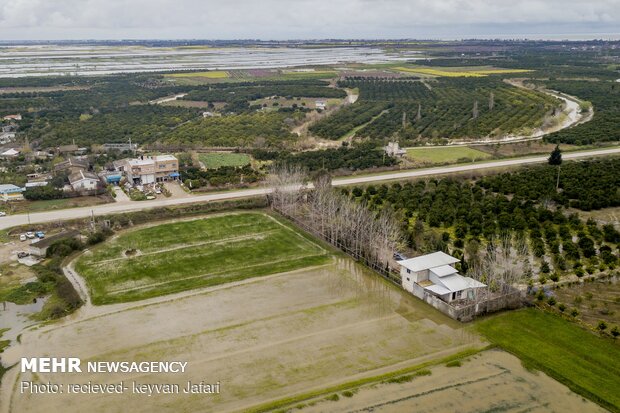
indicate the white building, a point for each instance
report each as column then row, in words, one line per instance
column 393, row 149
column 434, row 274
column 10, row 153
column 149, row 169
column 320, row 104
column 9, row 192
column 83, row 181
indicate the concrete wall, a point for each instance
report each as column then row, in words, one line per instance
column 468, row 313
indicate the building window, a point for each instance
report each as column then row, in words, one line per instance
column 408, row 271
column 408, row 279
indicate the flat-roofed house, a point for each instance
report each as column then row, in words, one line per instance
column 149, row 169
column 166, row 167
column 434, row 273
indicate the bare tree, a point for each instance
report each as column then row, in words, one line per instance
column 287, row 183
column 502, row 265
column 491, row 101
column 418, row 116
column 339, row 220
column 474, row 112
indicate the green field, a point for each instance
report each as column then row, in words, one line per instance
column 214, row 160
column 588, row 364
column 179, row 256
column 214, row 74
column 445, row 154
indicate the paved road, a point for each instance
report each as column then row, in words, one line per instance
column 65, row 214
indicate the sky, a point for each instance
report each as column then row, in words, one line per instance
column 307, row 19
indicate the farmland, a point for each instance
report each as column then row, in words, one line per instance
column 215, row 160
column 595, row 301
column 183, row 255
column 445, row 154
column 471, row 71
column 454, row 107
column 588, row 364
column 490, row 378
column 215, row 74
column 239, row 130
column 263, row 338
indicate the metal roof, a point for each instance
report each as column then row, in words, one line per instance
column 454, row 282
column 428, row 261
column 443, row 270
column 438, row 289
column 10, row 188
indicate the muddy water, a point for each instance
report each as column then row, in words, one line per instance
column 264, row 338
column 490, row 381
column 16, row 317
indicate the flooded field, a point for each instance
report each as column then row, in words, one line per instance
column 262, row 339
column 15, row 317
column 51, row 60
column 492, row 381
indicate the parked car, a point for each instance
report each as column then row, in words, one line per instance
column 40, row 234
column 22, row 237
column 30, row 235
column 2, row 214
column 158, row 191
column 22, row 254
column 399, row 257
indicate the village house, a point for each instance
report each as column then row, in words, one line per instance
column 394, row 149
column 72, row 165
column 65, row 149
column 12, row 117
column 121, row 147
column 434, row 274
column 320, row 104
column 149, row 169
column 84, row 181
column 10, row 153
column 10, row 192
column 34, row 184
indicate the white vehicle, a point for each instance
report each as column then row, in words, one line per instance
column 30, row 235
column 22, row 237
column 2, row 214
column 158, row 191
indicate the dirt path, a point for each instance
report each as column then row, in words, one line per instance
column 568, row 117
column 166, row 99
column 303, row 128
